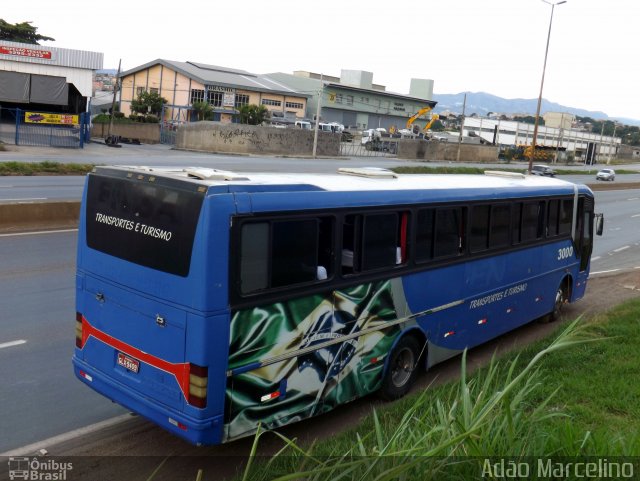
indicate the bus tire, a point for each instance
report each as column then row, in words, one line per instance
column 558, row 303
column 402, row 369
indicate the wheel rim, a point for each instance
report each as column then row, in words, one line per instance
column 559, row 302
column 402, row 367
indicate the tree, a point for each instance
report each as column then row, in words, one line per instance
column 21, row 32
column 203, row 110
column 253, row 114
column 148, row 103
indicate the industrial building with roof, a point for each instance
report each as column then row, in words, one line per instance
column 354, row 100
column 225, row 89
column 48, row 79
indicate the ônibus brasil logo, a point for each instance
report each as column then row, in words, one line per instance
column 38, row 469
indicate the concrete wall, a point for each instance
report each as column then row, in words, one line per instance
column 148, row 133
column 251, row 139
column 52, row 215
column 424, row 150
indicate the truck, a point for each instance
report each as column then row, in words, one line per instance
column 380, row 140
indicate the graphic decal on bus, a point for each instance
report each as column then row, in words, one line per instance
column 324, row 372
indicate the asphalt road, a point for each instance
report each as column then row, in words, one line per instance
column 38, row 394
column 39, row 188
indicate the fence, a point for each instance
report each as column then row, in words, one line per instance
column 44, row 129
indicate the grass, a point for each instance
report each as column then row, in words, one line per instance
column 481, row 170
column 575, row 396
column 44, row 168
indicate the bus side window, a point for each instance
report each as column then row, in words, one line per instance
column 552, row 218
column 449, row 237
column 479, row 231
column 532, row 221
column 499, row 234
column 424, row 234
column 281, row 253
column 566, row 214
column 380, row 241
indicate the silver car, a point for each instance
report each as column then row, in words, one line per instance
column 606, row 174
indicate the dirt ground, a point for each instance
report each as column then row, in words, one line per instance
column 606, row 291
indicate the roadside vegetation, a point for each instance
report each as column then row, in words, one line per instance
column 44, row 168
column 573, row 396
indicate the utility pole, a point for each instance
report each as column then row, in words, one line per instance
column 110, row 140
column 464, row 106
column 613, row 138
column 315, row 133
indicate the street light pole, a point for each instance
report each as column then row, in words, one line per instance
column 544, row 67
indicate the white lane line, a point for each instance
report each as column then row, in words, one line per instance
column 12, row 343
column 634, row 198
column 603, row 272
column 595, row 258
column 61, row 438
column 637, row 215
column 38, row 232
column 24, row 199
column 620, row 249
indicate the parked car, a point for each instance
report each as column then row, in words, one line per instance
column 606, row 174
column 543, row 170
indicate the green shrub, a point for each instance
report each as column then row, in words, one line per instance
column 151, row 119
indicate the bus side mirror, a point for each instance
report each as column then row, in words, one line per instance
column 599, row 218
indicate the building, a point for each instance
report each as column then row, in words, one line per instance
column 184, row 83
column 561, row 120
column 583, row 145
column 46, row 79
column 355, row 101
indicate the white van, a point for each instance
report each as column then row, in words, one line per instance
column 301, row 124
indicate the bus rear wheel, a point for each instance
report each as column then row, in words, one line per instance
column 402, row 369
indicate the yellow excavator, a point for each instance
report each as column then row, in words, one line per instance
column 420, row 112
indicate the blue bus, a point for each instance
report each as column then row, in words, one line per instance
column 210, row 302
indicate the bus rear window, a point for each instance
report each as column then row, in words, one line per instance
column 147, row 224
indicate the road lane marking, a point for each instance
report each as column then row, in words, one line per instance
column 15, row 234
column 595, row 258
column 12, row 343
column 634, row 198
column 24, row 199
column 637, row 215
column 603, row 272
column 61, row 438
column 620, row 249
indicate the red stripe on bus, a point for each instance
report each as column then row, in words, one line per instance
column 179, row 370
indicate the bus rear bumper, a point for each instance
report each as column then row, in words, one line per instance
column 196, row 431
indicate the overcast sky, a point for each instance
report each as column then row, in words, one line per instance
column 493, row 46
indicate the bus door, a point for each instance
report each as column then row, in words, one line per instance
column 583, row 243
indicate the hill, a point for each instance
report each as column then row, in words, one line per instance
column 482, row 103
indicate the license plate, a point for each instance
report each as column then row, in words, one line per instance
column 128, row 363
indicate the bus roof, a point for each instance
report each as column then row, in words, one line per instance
column 348, row 180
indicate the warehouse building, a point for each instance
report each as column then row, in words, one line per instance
column 46, row 79
column 225, row 89
column 355, row 101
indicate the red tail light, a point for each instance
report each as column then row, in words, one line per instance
column 198, row 380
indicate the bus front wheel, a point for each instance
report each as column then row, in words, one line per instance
column 402, row 368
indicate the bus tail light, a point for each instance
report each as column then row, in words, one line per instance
column 79, row 330
column 198, row 379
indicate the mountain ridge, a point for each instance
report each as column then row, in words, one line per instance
column 482, row 103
